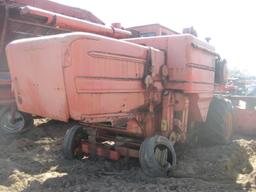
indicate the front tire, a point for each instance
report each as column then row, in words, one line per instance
column 157, row 156
column 72, row 147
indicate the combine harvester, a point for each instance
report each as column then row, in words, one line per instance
column 128, row 99
column 32, row 18
column 135, row 97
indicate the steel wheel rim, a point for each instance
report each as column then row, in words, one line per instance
column 163, row 156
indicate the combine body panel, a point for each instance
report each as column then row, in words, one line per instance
column 44, row 80
column 190, row 62
column 191, row 68
column 80, row 76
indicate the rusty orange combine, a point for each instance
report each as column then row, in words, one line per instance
column 132, row 93
column 130, row 98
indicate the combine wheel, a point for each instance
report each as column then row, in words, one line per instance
column 14, row 122
column 219, row 123
column 72, row 142
column 157, row 156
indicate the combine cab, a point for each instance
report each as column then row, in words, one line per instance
column 130, row 98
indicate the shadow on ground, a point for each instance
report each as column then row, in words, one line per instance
column 34, row 162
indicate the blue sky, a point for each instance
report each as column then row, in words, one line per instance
column 230, row 24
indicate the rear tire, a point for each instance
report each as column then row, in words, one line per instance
column 72, row 148
column 157, row 156
column 21, row 123
column 219, row 123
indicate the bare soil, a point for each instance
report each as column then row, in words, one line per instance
column 34, row 162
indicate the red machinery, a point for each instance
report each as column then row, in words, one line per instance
column 244, row 112
column 134, row 98
column 18, row 20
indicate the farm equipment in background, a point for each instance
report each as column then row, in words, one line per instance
column 241, row 91
column 31, row 18
column 244, row 110
column 244, row 113
column 235, row 86
column 130, row 98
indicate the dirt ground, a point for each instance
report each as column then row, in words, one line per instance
column 34, row 162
